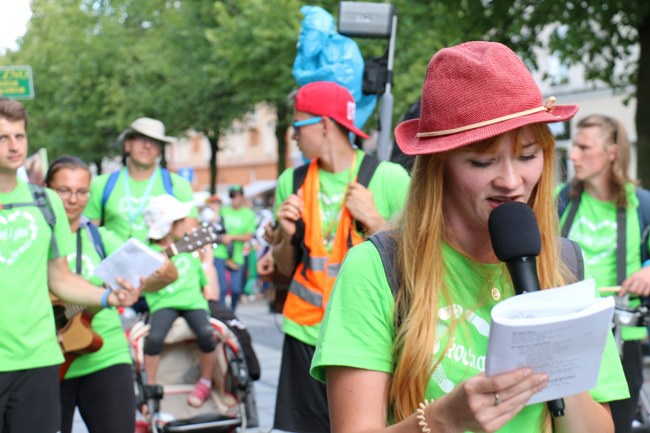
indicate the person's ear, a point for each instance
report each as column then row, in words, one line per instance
column 328, row 124
column 127, row 146
column 612, row 152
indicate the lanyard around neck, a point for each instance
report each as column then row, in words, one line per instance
column 143, row 200
column 335, row 216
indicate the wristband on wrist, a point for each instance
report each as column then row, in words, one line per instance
column 104, row 300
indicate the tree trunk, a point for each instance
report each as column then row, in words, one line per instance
column 642, row 118
column 98, row 165
column 214, row 148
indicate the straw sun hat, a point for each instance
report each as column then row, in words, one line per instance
column 148, row 127
column 472, row 92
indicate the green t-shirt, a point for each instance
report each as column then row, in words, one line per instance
column 236, row 222
column 106, row 322
column 389, row 186
column 358, row 329
column 594, row 229
column 122, row 207
column 26, row 318
column 186, row 293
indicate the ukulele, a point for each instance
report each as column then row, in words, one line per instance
column 73, row 322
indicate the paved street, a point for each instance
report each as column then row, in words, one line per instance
column 265, row 330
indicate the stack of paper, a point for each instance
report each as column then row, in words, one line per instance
column 561, row 332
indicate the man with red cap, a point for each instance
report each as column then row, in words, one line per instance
column 323, row 208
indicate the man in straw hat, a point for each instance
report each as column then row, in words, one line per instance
column 318, row 219
column 405, row 335
column 118, row 199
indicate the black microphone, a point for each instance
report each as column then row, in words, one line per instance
column 517, row 242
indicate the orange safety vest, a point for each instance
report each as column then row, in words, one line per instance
column 314, row 276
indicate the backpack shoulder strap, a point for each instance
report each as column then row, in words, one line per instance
column 108, row 189
column 572, row 257
column 299, row 176
column 563, row 200
column 643, row 212
column 42, row 201
column 367, row 168
column 386, row 245
column 95, row 236
column 298, row 241
column 167, row 181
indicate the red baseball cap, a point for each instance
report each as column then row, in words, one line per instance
column 325, row 98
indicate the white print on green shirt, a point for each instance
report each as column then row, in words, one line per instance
column 87, row 266
column 596, row 237
column 182, row 264
column 457, row 353
column 17, row 231
column 124, row 208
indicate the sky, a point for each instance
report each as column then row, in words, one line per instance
column 14, row 15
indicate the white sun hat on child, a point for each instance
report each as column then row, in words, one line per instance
column 161, row 212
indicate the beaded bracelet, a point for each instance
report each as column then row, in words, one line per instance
column 422, row 421
column 105, row 296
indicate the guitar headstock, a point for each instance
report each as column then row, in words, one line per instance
column 206, row 234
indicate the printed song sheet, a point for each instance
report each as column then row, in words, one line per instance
column 561, row 332
column 131, row 261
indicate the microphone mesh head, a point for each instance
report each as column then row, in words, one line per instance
column 514, row 231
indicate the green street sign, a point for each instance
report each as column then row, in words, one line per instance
column 16, row 82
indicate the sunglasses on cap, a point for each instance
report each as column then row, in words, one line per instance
column 311, row 121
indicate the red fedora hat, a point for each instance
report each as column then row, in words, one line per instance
column 474, row 91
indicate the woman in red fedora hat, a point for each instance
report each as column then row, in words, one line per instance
column 412, row 352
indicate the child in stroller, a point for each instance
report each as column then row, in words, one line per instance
column 165, row 217
column 166, row 350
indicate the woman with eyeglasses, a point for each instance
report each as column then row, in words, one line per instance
column 99, row 383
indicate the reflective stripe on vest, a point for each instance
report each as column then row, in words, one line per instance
column 306, row 294
column 310, row 288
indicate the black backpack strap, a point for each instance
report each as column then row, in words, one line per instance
column 301, row 250
column 563, row 200
column 299, row 176
column 571, row 255
column 386, row 245
column 643, row 212
column 367, row 169
column 568, row 222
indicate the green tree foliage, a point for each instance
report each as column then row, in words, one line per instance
column 610, row 39
column 98, row 64
column 255, row 44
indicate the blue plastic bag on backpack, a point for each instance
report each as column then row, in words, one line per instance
column 325, row 55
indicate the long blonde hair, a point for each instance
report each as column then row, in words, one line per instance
column 611, row 132
column 422, row 285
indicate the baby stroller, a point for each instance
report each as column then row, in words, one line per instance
column 166, row 404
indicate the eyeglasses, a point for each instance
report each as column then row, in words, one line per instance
column 311, row 121
column 65, row 193
column 145, row 139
